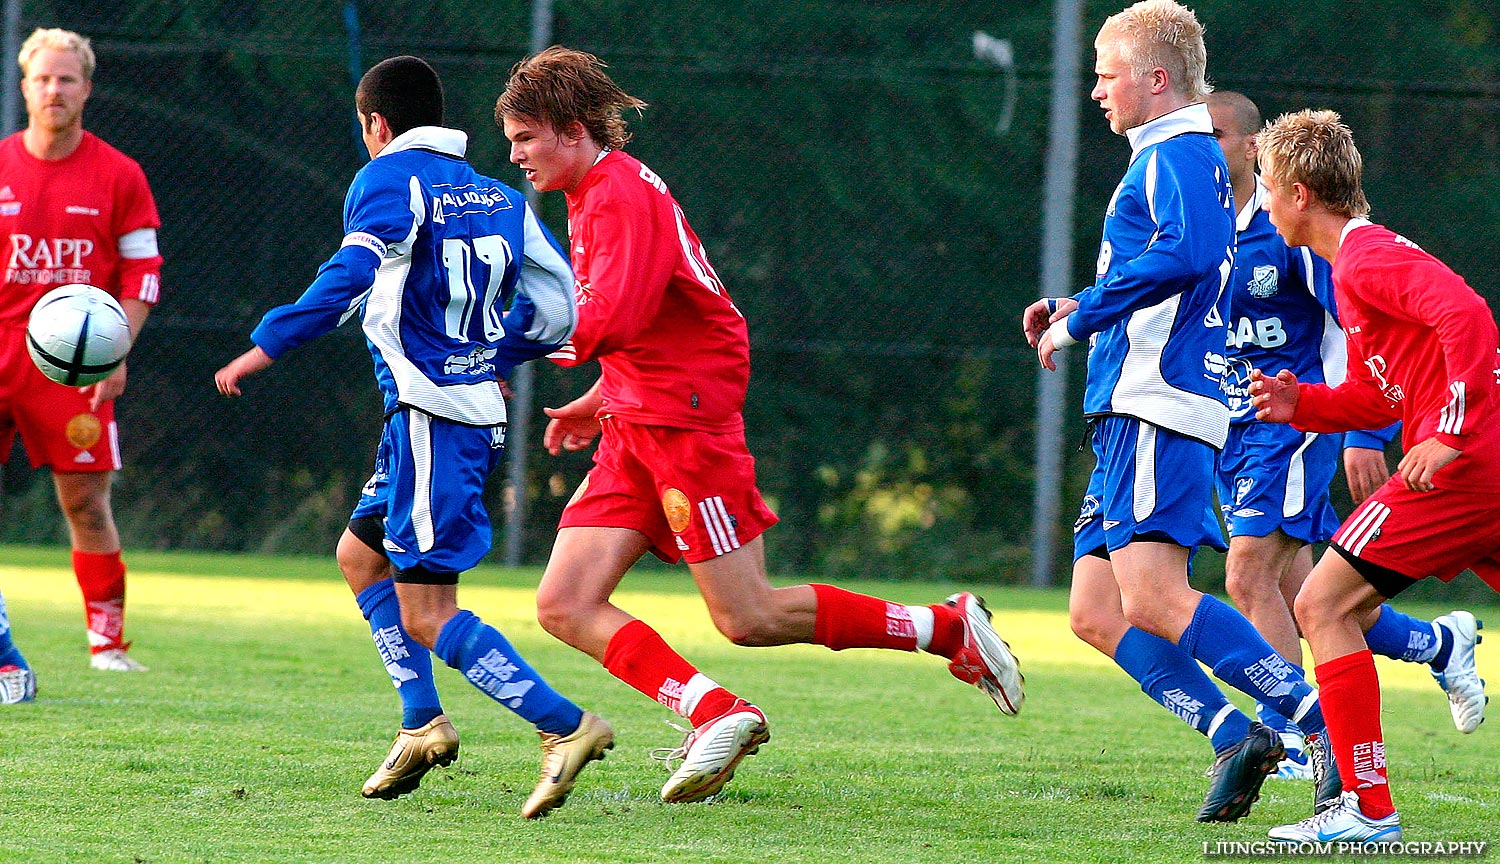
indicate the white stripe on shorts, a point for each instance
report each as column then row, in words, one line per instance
column 114, row 445
column 1362, row 527
column 1295, row 498
column 419, row 427
column 716, row 523
column 1145, row 471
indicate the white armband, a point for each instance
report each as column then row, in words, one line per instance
column 137, row 244
column 366, row 241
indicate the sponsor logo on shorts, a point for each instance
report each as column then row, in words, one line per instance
column 678, row 509
column 84, row 431
column 1087, row 512
column 1242, row 489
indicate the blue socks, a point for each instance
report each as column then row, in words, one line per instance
column 1402, row 637
column 1168, row 675
column 10, row 655
column 487, row 659
column 1226, row 642
column 407, row 661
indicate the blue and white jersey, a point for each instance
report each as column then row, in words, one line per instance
column 451, row 273
column 1155, row 314
column 1281, row 311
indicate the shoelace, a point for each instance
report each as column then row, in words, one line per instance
column 668, row 755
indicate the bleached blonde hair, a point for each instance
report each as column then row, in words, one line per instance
column 1166, row 34
column 58, row 40
column 1316, row 149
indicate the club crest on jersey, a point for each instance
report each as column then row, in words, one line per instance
column 678, row 509
column 475, row 362
column 84, row 431
column 1263, row 281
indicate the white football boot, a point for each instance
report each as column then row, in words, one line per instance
column 985, row 659
column 711, row 752
column 1341, row 823
column 116, row 660
column 1460, row 679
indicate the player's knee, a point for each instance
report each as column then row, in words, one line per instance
column 88, row 514
column 1311, row 609
column 558, row 616
column 1247, row 587
column 1144, row 614
column 1092, row 627
column 746, row 629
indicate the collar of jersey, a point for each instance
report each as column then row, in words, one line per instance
column 1189, row 118
column 1356, row 222
column 1247, row 212
column 451, row 142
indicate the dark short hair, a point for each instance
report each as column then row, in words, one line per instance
column 404, row 90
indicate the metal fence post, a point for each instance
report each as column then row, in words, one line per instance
column 523, row 381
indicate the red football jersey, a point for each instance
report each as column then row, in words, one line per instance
column 61, row 222
column 673, row 348
column 1422, row 348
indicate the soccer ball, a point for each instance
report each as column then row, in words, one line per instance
column 77, row 335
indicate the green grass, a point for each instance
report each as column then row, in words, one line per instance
column 266, row 708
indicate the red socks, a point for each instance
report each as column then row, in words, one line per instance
column 849, row 620
column 639, row 656
column 101, row 576
column 1349, row 692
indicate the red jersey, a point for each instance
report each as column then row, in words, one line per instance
column 673, row 348
column 1422, row 349
column 62, row 221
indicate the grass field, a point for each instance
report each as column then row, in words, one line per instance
column 266, row 708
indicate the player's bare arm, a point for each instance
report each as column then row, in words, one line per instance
column 1366, row 471
column 1275, row 399
column 111, row 388
column 248, row 363
column 574, row 426
column 1422, row 462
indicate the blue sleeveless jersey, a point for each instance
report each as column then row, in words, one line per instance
column 454, row 279
column 1155, row 314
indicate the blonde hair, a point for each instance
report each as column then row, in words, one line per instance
column 561, row 86
column 1316, row 149
column 1165, row 34
column 58, row 40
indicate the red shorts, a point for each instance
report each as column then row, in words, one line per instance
column 55, row 423
column 692, row 493
column 1419, row 534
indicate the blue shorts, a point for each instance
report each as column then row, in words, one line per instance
column 428, row 486
column 1273, row 476
column 1148, row 484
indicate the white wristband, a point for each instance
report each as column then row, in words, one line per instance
column 1061, row 338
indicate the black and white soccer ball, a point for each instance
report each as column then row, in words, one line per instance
column 77, row 335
